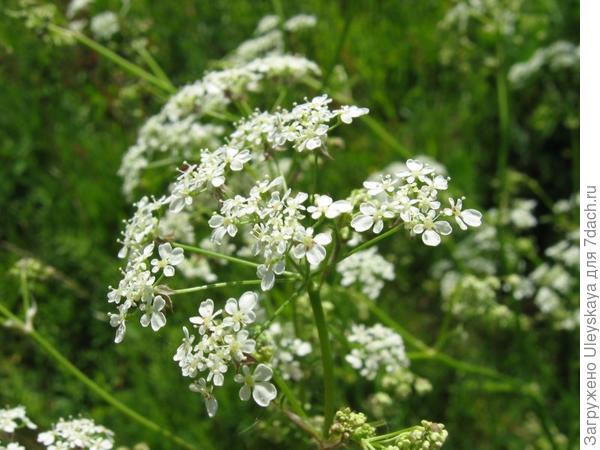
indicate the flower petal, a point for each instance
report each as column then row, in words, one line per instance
column 263, row 393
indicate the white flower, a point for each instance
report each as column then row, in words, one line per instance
column 205, row 320
column 370, row 216
column 257, row 385
column 324, row 205
column 118, row 321
column 267, row 272
column 222, row 225
column 105, row 25
column 153, row 314
column 468, row 217
column 375, row 349
column 169, row 257
column 241, row 312
column 13, row 418
column 240, row 344
column 347, row 113
column 416, row 170
column 430, row 229
column 210, row 401
column 77, row 433
column 367, row 269
column 236, row 158
column 313, row 248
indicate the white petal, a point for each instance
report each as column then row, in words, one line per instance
column 472, row 217
column 245, row 392
column 263, row 372
column 362, row 223
column 337, row 208
column 431, row 238
column 211, row 406
column 169, row 271
column 158, row 321
column 316, row 254
column 231, row 306
column 164, row 250
column 248, row 301
column 215, row 221
column 323, row 238
column 159, row 303
column 414, row 165
column 298, row 251
column 368, row 209
column 443, row 227
column 206, row 308
column 263, row 393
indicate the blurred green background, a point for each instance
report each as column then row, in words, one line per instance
column 67, row 116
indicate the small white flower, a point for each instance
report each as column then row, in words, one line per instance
column 205, row 320
column 416, row 170
column 222, row 225
column 267, row 272
column 153, row 314
column 313, row 248
column 241, row 312
column 257, row 385
column 169, row 257
column 13, row 418
column 210, row 401
column 347, row 113
column 430, row 229
column 236, row 158
column 324, row 205
column 464, row 219
column 370, row 216
column 118, row 321
column 240, row 345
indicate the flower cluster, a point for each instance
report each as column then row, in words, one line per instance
column 366, row 270
column 138, row 287
column 275, row 218
column 376, row 349
column 287, row 349
column 223, row 342
column 13, row 418
column 557, row 56
column 411, row 197
column 77, row 433
column 427, row 435
column 176, row 129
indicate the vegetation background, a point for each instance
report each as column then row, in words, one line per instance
column 67, row 116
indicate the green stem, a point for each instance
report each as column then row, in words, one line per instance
column 326, row 357
column 372, row 242
column 217, row 255
column 118, row 60
column 69, row 368
column 154, row 66
column 205, row 287
column 295, row 404
column 339, row 47
column 503, row 154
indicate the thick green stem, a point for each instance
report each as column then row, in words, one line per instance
column 295, row 404
column 70, row 368
column 326, row 357
column 503, row 154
